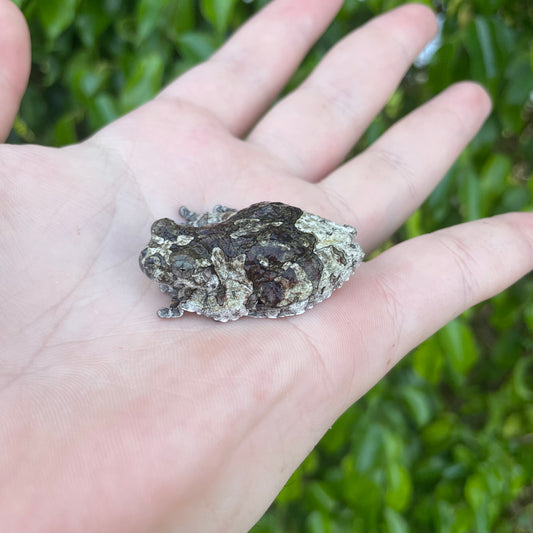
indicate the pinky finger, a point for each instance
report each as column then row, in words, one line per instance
column 14, row 63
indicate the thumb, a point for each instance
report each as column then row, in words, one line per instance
column 14, row 63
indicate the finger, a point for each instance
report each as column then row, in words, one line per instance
column 14, row 63
column 385, row 184
column 392, row 304
column 247, row 73
column 313, row 129
column 404, row 295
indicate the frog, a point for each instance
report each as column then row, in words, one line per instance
column 268, row 260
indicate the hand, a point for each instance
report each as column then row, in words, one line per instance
column 115, row 420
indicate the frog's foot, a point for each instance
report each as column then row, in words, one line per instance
column 218, row 214
column 188, row 215
column 174, row 311
column 223, row 209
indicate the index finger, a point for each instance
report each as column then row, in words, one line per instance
column 242, row 78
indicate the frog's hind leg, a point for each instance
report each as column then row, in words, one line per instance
column 218, row 214
column 190, row 216
column 223, row 209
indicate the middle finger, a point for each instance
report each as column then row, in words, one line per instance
column 313, row 128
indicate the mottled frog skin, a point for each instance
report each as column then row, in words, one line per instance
column 266, row 261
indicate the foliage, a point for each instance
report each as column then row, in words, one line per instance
column 445, row 442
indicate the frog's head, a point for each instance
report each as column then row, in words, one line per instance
column 172, row 257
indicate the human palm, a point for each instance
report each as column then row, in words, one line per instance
column 116, row 420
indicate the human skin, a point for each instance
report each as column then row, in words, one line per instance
column 113, row 420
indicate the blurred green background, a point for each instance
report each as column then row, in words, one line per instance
column 445, row 442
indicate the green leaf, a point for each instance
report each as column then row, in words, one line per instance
column 112, row 7
column 418, row 403
column 476, row 491
column 85, row 77
column 102, row 110
column 459, row 345
column 477, row 496
column 267, row 524
column 21, row 129
column 528, row 315
column 511, row 117
column 56, row 15
column 395, row 103
column 429, row 469
column 218, row 12
column 470, row 195
column 316, row 522
column 439, row 432
column 438, row 201
column 369, row 447
column 523, row 378
column 143, row 83
column 293, row 488
column 148, row 14
column 196, row 46
column 520, row 83
column 453, row 519
column 445, row 516
column 428, row 360
column 439, row 77
column 395, row 522
column 399, row 487
column 487, row 136
column 126, row 29
column 512, row 426
column 515, row 199
column 487, row 46
column 91, row 21
column 321, row 497
column 65, row 130
column 480, row 45
column 335, row 439
column 393, row 445
column 413, row 225
column 493, row 180
column 181, row 18
column 375, row 130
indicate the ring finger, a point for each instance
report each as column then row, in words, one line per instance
column 381, row 187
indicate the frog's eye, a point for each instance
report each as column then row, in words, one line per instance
column 153, row 265
column 150, row 261
column 182, row 266
column 164, row 229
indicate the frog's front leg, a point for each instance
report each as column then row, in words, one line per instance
column 173, row 311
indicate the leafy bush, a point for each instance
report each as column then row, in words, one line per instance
column 445, row 442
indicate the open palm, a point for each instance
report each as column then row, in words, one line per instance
column 115, row 420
